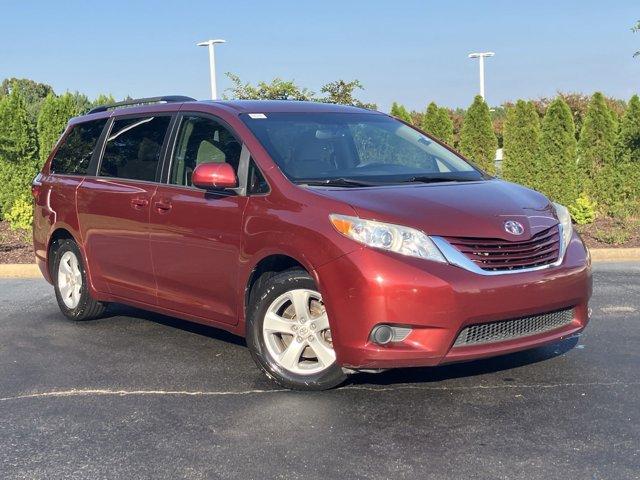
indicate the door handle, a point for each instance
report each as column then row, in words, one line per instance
column 162, row 206
column 139, row 202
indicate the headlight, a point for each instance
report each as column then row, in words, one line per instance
column 565, row 220
column 386, row 236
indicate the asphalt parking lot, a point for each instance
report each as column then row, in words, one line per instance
column 139, row 395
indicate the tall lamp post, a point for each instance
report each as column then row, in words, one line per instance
column 480, row 56
column 212, row 64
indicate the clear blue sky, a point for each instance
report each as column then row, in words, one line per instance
column 409, row 51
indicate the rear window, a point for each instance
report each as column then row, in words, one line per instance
column 74, row 154
column 133, row 148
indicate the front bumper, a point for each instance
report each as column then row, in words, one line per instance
column 369, row 287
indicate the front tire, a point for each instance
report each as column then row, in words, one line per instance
column 288, row 333
column 70, row 283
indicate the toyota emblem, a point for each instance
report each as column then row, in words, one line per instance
column 513, row 227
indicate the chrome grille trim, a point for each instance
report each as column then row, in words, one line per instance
column 503, row 330
column 459, row 259
column 542, row 248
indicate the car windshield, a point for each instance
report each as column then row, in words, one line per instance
column 355, row 149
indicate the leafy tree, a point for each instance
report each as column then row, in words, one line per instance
column 597, row 138
column 54, row 115
column 278, row 89
column 32, row 92
column 627, row 146
column 436, row 121
column 477, row 140
column 557, row 176
column 342, row 92
column 18, row 149
column 521, row 144
column 398, row 111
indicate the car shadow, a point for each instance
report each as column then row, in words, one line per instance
column 466, row 369
column 385, row 378
column 117, row 310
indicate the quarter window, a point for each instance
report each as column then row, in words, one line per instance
column 133, row 148
column 74, row 154
column 202, row 140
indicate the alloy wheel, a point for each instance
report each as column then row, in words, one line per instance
column 297, row 334
column 70, row 280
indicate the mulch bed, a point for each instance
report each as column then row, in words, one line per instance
column 15, row 246
column 610, row 233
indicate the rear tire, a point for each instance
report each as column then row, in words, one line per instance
column 70, row 283
column 288, row 333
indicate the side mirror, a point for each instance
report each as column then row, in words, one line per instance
column 214, row 175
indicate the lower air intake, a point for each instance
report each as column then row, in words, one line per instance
column 511, row 329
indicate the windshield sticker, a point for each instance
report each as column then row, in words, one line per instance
column 257, row 115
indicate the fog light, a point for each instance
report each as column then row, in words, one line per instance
column 383, row 334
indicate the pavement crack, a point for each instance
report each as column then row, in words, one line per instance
column 124, row 393
column 204, row 393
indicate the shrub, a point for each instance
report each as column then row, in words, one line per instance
column 613, row 235
column 20, row 216
column 18, row 150
column 583, row 211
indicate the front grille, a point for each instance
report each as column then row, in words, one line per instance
column 497, row 254
column 511, row 329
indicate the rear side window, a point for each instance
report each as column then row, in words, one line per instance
column 74, row 154
column 133, row 148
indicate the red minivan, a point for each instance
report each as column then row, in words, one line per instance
column 333, row 238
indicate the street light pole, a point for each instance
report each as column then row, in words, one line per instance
column 480, row 56
column 212, row 64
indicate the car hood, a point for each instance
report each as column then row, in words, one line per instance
column 469, row 209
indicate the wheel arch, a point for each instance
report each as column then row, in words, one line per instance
column 274, row 262
column 59, row 233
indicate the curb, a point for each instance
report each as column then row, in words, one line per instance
column 19, row 270
column 615, row 254
column 31, row 270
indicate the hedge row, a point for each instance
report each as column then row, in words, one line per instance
column 594, row 170
column 32, row 117
column 582, row 152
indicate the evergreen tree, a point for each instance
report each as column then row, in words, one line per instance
column 617, row 185
column 18, row 150
column 478, row 142
column 628, row 142
column 398, row 111
column 436, row 121
column 521, row 144
column 557, row 176
column 53, row 118
column 597, row 138
column 103, row 99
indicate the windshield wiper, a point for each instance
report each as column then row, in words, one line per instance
column 336, row 182
column 438, row 178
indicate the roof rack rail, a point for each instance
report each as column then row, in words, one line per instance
column 142, row 101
